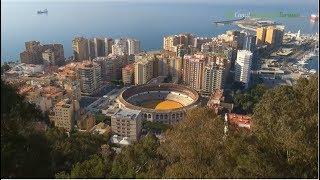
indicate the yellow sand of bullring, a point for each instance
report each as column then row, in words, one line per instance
column 163, row 105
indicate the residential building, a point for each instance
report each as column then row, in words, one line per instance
column 199, row 41
column 127, row 123
column 144, row 70
column 133, row 46
column 169, row 65
column 243, row 66
column 108, row 45
column 120, row 47
column 261, row 35
column 99, row 47
column 213, row 77
column 80, row 47
column 169, row 42
column 90, row 77
column 279, row 36
column 249, row 42
column 111, row 66
column 270, row 36
column 128, row 74
column 193, row 70
column 37, row 53
column 65, row 113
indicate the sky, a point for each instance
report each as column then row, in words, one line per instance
column 188, row 1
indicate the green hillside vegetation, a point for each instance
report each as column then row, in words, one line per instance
column 283, row 143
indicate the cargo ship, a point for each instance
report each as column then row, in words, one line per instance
column 43, row 12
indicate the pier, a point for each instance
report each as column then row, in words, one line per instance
column 228, row 21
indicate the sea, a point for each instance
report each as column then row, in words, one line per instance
column 147, row 21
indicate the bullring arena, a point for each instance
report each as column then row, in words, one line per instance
column 165, row 103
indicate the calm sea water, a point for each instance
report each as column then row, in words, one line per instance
column 148, row 22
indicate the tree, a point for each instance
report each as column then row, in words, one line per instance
column 193, row 149
column 99, row 117
column 246, row 100
column 94, row 167
column 76, row 148
column 285, row 123
column 154, row 127
column 137, row 161
column 22, row 149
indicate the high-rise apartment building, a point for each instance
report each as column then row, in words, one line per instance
column 80, row 47
column 120, row 47
column 169, row 65
column 199, row 41
column 270, row 36
column 90, row 77
column 193, row 68
column 108, row 45
column 128, row 74
column 249, row 42
column 99, row 47
column 279, row 36
column 91, row 51
column 214, row 73
column 261, row 35
column 143, row 70
column 111, row 66
column 184, row 40
column 34, row 53
column 243, row 66
column 169, row 42
column 133, row 46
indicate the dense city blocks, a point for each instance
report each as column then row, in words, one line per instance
column 239, row 102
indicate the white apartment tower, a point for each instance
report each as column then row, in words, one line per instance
column 133, row 46
column 243, row 66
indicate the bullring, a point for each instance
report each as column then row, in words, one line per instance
column 176, row 101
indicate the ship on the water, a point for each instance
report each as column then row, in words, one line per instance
column 314, row 17
column 42, row 12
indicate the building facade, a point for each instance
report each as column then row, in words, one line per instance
column 128, row 74
column 133, row 46
column 213, row 77
column 90, row 77
column 144, row 69
column 37, row 53
column 261, row 35
column 243, row 66
column 65, row 113
column 80, row 48
column 127, row 123
column 193, row 70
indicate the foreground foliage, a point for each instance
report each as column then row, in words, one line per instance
column 282, row 143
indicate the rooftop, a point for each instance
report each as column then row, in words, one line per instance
column 127, row 113
column 239, row 120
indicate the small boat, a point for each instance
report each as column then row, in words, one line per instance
column 313, row 71
column 302, row 62
column 314, row 17
column 42, row 12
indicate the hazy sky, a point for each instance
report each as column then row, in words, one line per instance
column 190, row 1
